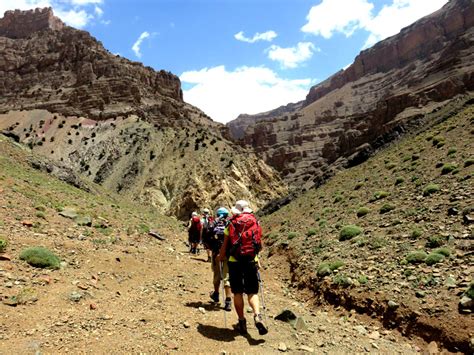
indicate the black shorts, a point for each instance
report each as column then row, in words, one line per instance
column 193, row 236
column 243, row 277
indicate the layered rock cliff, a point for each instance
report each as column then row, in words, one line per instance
column 117, row 122
column 354, row 112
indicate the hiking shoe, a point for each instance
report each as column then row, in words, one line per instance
column 242, row 326
column 215, row 296
column 262, row 330
column 227, row 305
column 208, row 259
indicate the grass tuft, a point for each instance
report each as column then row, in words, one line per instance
column 430, row 189
column 349, row 232
column 416, row 257
column 40, row 257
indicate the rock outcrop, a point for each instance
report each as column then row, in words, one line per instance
column 354, row 112
column 117, row 122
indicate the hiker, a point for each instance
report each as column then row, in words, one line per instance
column 207, row 231
column 220, row 270
column 194, row 232
column 242, row 243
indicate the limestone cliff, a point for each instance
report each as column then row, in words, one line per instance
column 357, row 110
column 117, row 122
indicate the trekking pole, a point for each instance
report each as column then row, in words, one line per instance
column 263, row 299
column 223, row 291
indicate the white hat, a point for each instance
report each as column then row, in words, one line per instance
column 194, row 214
column 205, row 211
column 240, row 207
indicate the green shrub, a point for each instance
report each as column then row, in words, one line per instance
column 40, row 208
column 362, row 279
column 40, row 257
column 443, row 251
column 143, row 228
column 390, row 165
column 377, row 242
column 468, row 162
column 311, row 232
column 341, row 280
column 416, row 257
column 430, row 189
column 434, row 258
column 338, row 198
column 292, row 235
column 399, row 180
column 336, row 265
column 438, row 141
column 448, row 168
column 3, row 244
column 358, row 185
column 416, row 233
column 386, row 208
column 452, row 151
column 434, row 242
column 378, row 195
column 349, row 232
column 361, row 212
column 40, row 214
column 324, row 269
column 470, row 291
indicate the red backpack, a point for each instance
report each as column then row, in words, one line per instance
column 245, row 234
column 196, row 225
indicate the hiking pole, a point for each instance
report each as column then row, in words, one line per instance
column 263, row 299
column 223, row 291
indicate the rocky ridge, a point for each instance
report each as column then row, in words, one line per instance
column 350, row 115
column 117, row 122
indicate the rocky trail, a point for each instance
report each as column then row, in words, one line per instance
column 148, row 296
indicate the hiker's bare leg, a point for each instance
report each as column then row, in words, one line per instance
column 254, row 303
column 228, row 293
column 239, row 304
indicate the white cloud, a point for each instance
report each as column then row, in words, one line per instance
column 138, row 43
column 224, row 95
column 265, row 36
column 293, row 56
column 76, row 13
column 332, row 16
column 401, row 13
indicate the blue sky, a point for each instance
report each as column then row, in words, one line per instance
column 239, row 56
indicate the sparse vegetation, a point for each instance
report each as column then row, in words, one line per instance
column 430, row 189
column 434, row 242
column 387, row 208
column 416, row 257
column 3, row 244
column 349, row 232
column 40, row 257
column 361, row 212
column 448, row 168
column 434, row 258
column 378, row 195
column 311, row 232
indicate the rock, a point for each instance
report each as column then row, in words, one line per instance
column 69, row 213
column 306, row 349
column 286, row 316
column 9, row 284
column 450, row 282
column 431, row 349
column 393, row 305
column 75, row 296
column 92, row 306
column 466, row 303
column 186, row 325
column 300, row 324
column 361, row 329
column 319, row 343
column 375, row 335
column 27, row 223
column 83, row 221
column 420, row 294
column 453, row 211
column 282, row 347
column 11, row 301
column 202, row 310
column 5, row 257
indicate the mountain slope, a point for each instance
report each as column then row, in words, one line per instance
column 347, row 117
column 117, row 122
column 412, row 261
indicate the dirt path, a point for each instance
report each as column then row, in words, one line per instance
column 141, row 295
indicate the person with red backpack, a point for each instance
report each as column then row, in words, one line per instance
column 242, row 243
column 194, row 232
